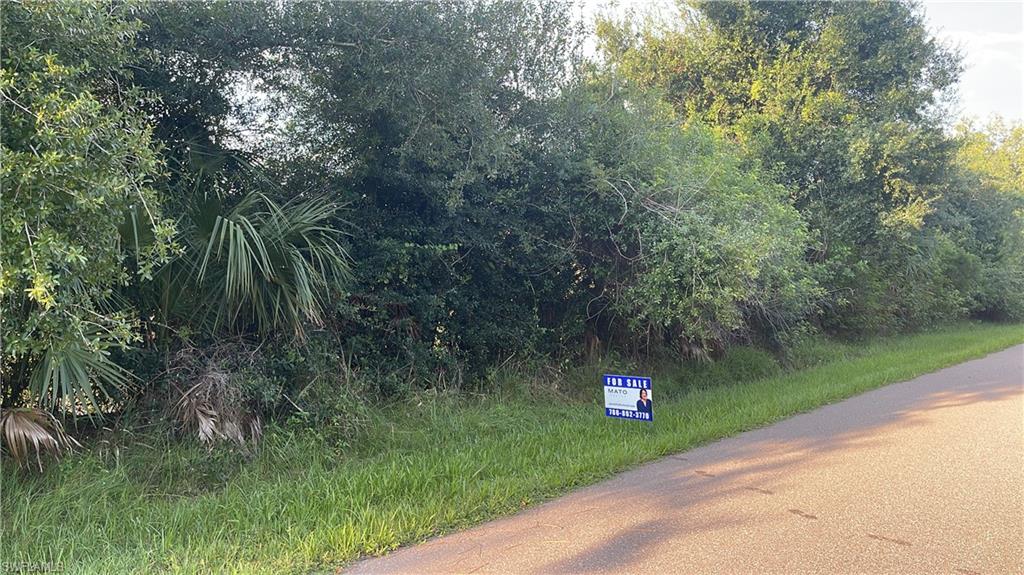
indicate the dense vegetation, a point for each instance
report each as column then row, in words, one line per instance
column 215, row 213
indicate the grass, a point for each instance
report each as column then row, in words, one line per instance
column 425, row 467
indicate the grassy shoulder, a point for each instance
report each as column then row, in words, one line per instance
column 424, row 467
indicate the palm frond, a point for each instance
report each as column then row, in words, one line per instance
column 271, row 264
column 249, row 262
column 213, row 408
column 28, row 430
column 72, row 374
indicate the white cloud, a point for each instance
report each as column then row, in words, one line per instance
column 990, row 36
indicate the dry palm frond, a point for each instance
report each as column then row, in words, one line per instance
column 28, row 429
column 213, row 408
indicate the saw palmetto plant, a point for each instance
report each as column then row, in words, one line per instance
column 255, row 264
column 272, row 264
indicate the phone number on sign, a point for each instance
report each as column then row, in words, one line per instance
column 628, row 414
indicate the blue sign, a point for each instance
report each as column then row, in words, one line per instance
column 628, row 397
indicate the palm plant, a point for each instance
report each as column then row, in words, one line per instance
column 267, row 264
column 248, row 265
column 72, row 374
column 212, row 406
column 241, row 262
column 257, row 265
column 249, row 262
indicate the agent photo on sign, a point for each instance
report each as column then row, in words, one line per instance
column 643, row 405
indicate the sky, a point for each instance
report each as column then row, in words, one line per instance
column 991, row 38
column 990, row 35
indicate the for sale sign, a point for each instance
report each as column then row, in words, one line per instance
column 628, row 397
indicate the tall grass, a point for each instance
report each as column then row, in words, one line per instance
column 426, row 466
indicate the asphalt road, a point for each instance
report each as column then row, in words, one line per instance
column 923, row 476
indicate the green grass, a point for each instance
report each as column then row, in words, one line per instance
column 425, row 467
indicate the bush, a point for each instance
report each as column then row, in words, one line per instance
column 77, row 161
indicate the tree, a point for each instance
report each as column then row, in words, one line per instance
column 682, row 243
column 78, row 159
column 422, row 118
column 984, row 211
column 995, row 153
column 841, row 102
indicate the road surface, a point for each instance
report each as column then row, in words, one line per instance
column 923, row 476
